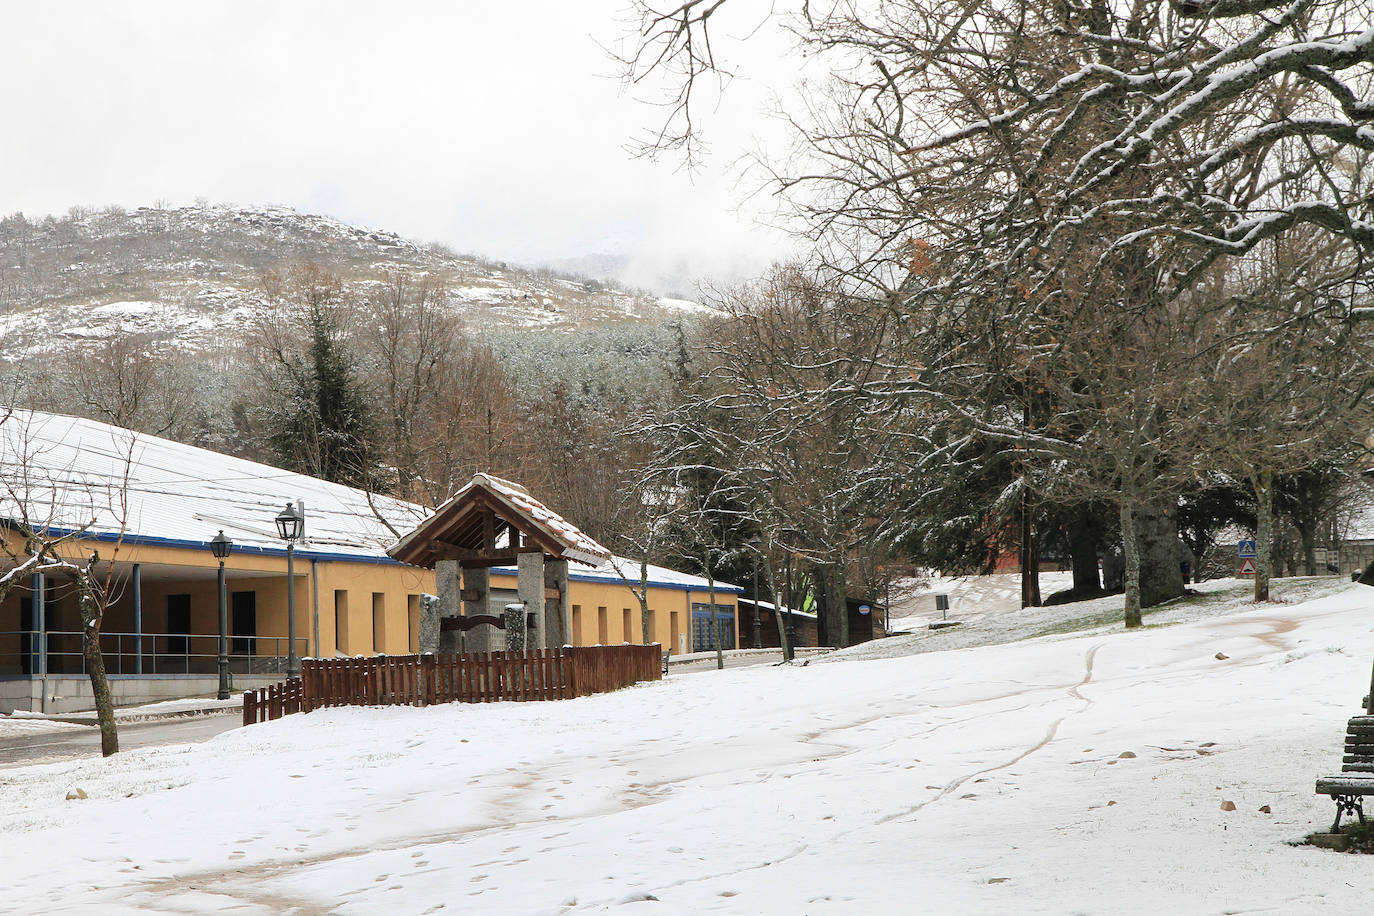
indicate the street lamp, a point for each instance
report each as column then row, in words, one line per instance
column 220, row 546
column 290, row 527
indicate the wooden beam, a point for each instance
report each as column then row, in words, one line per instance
column 463, row 624
column 475, row 558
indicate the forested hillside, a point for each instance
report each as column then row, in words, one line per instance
column 348, row 353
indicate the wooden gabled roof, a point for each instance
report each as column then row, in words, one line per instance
column 489, row 511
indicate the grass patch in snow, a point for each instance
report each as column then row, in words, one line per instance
column 1354, row 837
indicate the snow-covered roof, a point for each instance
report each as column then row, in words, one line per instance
column 455, row 523
column 68, row 473
column 773, row 607
column 659, row 576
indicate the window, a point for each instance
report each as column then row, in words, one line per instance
column 626, row 626
column 178, row 624
column 712, row 629
column 413, row 622
column 341, row 639
column 603, row 627
column 378, row 622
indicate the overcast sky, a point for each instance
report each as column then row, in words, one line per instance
column 497, row 128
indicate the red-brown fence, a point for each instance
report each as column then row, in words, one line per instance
column 273, row 701
column 479, row 677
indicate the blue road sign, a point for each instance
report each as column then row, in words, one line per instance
column 1247, row 549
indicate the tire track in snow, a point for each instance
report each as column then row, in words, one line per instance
column 1050, row 733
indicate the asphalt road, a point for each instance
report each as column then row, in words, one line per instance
column 732, row 660
column 70, row 743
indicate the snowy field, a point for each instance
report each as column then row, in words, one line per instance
column 1068, row 774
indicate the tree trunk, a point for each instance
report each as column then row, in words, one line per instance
column 1030, row 556
column 643, row 596
column 789, row 650
column 95, row 668
column 778, row 605
column 837, row 608
column 1264, row 531
column 1308, row 535
column 1087, row 579
column 831, row 613
column 1132, row 550
column 1161, row 572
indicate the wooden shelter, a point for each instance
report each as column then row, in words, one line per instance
column 493, row 522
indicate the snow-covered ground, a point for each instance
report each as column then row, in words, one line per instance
column 990, row 613
column 21, row 723
column 1080, row 774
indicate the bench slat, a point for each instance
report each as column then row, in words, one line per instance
column 1346, row 785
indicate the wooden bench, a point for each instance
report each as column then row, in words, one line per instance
column 1357, row 771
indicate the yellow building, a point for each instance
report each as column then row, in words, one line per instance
column 150, row 508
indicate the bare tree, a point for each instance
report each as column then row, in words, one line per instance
column 49, row 511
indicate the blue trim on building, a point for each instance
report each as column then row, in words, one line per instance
column 147, row 540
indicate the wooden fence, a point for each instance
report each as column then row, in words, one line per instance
column 273, row 701
column 479, row 677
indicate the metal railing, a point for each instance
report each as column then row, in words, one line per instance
column 21, row 652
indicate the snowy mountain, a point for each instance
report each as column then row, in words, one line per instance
column 191, row 275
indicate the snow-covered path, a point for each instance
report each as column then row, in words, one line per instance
column 1052, row 776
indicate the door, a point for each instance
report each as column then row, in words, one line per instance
column 245, row 622
column 179, row 625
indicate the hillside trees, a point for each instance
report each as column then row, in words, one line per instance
column 316, row 415
column 446, row 406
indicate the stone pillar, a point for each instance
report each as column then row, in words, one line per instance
column 429, row 623
column 514, row 616
column 446, row 583
column 557, row 614
column 478, row 639
column 530, row 583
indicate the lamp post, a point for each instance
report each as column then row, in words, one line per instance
column 220, row 546
column 290, row 527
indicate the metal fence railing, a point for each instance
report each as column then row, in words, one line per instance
column 22, row 652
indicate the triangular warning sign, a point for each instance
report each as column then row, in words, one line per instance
column 1247, row 567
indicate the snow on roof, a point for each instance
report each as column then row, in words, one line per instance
column 520, row 508
column 773, row 607
column 69, row 473
column 659, row 576
column 581, row 547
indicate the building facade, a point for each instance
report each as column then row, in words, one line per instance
column 149, row 508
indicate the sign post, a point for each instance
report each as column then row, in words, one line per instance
column 1247, row 553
